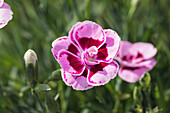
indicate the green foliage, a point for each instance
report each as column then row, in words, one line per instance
column 42, row 88
column 51, row 105
column 36, row 23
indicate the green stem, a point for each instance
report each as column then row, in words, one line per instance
column 62, row 98
column 38, row 99
column 116, row 106
column 144, row 101
column 114, row 97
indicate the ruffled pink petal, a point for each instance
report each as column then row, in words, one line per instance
column 3, row 25
column 72, row 31
column 149, row 64
column 110, row 48
column 5, row 6
column 89, row 34
column 64, row 43
column 125, row 49
column 145, row 50
column 68, row 78
column 5, row 14
column 102, row 73
column 131, row 74
column 77, row 82
column 1, row 2
column 70, row 62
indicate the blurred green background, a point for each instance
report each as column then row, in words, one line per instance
column 36, row 23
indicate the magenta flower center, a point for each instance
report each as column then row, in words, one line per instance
column 89, row 56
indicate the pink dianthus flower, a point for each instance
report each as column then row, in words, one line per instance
column 135, row 59
column 86, row 55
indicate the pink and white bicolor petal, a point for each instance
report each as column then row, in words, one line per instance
column 70, row 62
column 1, row 2
column 64, row 43
column 5, row 14
column 101, row 73
column 3, row 24
column 72, row 31
column 110, row 48
column 89, row 34
column 77, row 82
column 68, row 78
column 131, row 75
column 146, row 50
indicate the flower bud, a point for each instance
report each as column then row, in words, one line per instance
column 30, row 57
column 31, row 67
